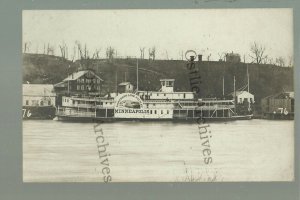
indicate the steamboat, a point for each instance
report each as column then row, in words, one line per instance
column 165, row 104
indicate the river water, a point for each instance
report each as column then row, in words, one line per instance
column 250, row 150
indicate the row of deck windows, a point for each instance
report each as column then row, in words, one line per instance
column 81, row 87
column 159, row 94
column 82, row 80
column 36, row 103
column 161, row 112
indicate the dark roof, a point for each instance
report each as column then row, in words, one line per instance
column 281, row 95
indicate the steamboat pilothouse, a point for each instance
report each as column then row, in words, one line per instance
column 164, row 104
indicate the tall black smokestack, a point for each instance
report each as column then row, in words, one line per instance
column 200, row 58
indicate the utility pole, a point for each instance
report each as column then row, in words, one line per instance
column 223, row 80
column 223, row 86
column 137, row 75
column 248, row 78
column 234, row 94
column 117, row 81
column 68, row 86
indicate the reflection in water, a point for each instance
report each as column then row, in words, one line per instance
column 252, row 150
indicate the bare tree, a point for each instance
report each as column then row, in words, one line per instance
column 37, row 49
column 208, row 57
column 270, row 61
column 96, row 54
column 152, row 53
column 63, row 50
column 280, row 61
column 258, row 53
column 74, row 54
column 44, row 49
column 181, row 54
column 83, row 52
column 79, row 49
column 167, row 55
column 110, row 52
column 50, row 50
column 142, row 50
column 265, row 61
column 291, row 61
column 222, row 56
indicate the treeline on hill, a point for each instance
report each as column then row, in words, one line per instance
column 264, row 79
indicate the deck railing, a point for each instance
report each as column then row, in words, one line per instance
column 75, row 113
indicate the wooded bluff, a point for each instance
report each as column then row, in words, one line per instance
column 265, row 79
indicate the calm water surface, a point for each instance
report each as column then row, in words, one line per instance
column 254, row 150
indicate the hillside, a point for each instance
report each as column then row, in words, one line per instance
column 264, row 79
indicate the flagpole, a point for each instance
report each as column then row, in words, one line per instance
column 137, row 75
column 248, row 78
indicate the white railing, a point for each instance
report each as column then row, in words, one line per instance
column 74, row 112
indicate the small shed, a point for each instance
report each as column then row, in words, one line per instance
column 243, row 96
column 125, row 87
column 278, row 103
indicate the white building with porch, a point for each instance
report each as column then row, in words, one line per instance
column 243, row 96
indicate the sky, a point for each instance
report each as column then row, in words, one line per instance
column 207, row 31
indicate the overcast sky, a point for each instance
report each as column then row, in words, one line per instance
column 208, row 31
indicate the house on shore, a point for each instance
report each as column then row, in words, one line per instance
column 39, row 101
column 243, row 97
column 278, row 106
column 125, row 87
column 81, row 82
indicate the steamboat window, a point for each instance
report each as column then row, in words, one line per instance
column 49, row 103
column 78, row 87
column 155, row 112
column 164, row 94
column 162, row 112
column 27, row 102
column 157, row 94
column 82, row 87
column 184, row 95
column 167, row 111
column 151, row 112
column 42, row 103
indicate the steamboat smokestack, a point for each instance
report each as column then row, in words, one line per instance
column 200, row 58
